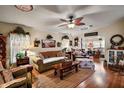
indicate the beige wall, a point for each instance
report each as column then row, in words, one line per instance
column 106, row 32
column 5, row 28
column 42, row 35
column 109, row 31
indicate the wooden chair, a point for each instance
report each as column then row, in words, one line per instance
column 15, row 77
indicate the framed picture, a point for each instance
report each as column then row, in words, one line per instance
column 48, row 43
column 58, row 44
column 70, row 43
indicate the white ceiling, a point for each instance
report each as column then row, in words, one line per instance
column 46, row 17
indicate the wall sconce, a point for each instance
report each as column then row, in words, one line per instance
column 76, row 41
column 36, row 42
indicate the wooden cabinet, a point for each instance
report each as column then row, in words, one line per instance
column 114, row 56
column 3, row 49
column 22, row 61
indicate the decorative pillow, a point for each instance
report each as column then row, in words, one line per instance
column 59, row 54
column 41, row 56
column 1, row 79
column 1, row 66
column 7, row 74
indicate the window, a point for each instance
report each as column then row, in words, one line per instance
column 18, row 43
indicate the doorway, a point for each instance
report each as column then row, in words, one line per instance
column 96, row 44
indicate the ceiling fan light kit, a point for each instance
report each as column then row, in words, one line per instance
column 71, row 22
column 24, row 8
column 71, row 25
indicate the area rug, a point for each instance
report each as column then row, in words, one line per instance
column 71, row 80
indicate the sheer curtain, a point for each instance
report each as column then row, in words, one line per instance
column 18, row 42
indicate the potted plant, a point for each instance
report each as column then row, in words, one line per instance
column 65, row 37
column 49, row 36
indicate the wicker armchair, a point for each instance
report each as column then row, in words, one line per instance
column 16, row 77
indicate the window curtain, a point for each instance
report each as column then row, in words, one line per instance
column 18, row 42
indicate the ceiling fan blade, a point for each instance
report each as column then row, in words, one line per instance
column 80, row 24
column 63, row 20
column 78, row 20
column 62, row 25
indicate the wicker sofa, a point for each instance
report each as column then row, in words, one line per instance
column 49, row 58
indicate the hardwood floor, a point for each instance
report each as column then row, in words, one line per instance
column 103, row 78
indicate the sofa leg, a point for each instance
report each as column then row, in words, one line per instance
column 55, row 72
column 61, row 74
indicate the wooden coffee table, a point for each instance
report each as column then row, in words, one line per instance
column 59, row 69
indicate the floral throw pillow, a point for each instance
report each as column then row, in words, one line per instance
column 41, row 56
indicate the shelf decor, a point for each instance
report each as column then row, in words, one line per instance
column 20, row 31
column 58, row 44
column 65, row 37
column 49, row 36
column 76, row 39
column 36, row 42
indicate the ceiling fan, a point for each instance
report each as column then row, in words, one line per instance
column 71, row 22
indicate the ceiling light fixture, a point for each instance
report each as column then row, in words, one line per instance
column 71, row 25
column 24, row 8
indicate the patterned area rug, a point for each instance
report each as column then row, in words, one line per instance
column 71, row 80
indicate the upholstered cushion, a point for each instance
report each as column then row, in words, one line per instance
column 7, row 74
column 35, row 59
column 1, row 79
column 1, row 66
column 19, row 71
column 53, row 59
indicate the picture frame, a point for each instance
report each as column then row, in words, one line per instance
column 48, row 43
column 58, row 44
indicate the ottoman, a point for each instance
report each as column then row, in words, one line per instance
column 87, row 65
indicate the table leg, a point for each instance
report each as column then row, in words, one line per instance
column 121, row 70
column 61, row 74
column 76, row 68
column 55, row 72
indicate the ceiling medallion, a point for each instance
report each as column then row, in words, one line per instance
column 24, row 8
